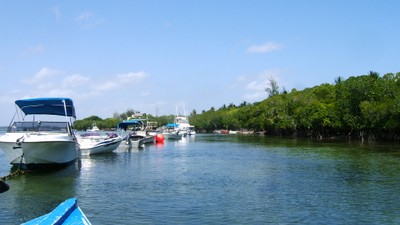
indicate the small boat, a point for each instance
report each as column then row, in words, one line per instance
column 31, row 144
column 139, row 139
column 135, row 133
column 67, row 213
column 172, row 131
column 183, row 125
column 94, row 143
column 94, row 128
column 179, row 128
column 173, row 135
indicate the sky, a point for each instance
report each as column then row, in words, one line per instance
column 158, row 57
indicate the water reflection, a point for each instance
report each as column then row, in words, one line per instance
column 226, row 179
column 53, row 187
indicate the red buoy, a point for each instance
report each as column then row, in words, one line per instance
column 159, row 138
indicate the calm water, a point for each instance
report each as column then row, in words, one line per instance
column 211, row 179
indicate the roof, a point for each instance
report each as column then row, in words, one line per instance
column 125, row 124
column 47, row 106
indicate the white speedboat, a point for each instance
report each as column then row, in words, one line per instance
column 37, row 143
column 94, row 143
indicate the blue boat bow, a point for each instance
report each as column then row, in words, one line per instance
column 66, row 213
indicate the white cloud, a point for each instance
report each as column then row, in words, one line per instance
column 44, row 74
column 255, row 90
column 131, row 77
column 264, row 48
column 75, row 80
column 108, row 85
column 88, row 20
column 60, row 93
column 45, row 86
column 120, row 80
column 254, row 86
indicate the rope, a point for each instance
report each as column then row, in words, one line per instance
column 3, row 185
column 13, row 174
column 17, row 172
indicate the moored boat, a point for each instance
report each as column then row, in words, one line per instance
column 35, row 143
column 135, row 133
column 171, row 131
column 67, row 213
column 94, row 143
column 93, row 129
column 139, row 139
column 183, row 125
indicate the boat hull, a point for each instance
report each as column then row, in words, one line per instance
column 39, row 149
column 89, row 147
column 68, row 213
column 173, row 135
column 140, row 140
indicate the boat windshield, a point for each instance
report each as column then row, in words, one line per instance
column 35, row 126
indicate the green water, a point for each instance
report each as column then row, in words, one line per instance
column 217, row 179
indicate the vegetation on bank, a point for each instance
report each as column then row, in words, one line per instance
column 365, row 107
column 111, row 123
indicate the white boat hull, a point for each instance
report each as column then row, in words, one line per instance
column 140, row 141
column 174, row 135
column 91, row 147
column 40, row 149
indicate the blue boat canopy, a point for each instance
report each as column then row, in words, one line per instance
column 47, row 106
column 172, row 125
column 125, row 124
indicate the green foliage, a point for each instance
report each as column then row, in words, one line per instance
column 111, row 123
column 357, row 106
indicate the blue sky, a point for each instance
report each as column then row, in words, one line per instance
column 155, row 56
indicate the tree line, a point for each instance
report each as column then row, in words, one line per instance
column 365, row 107
column 111, row 123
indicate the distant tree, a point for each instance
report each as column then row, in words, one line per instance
column 373, row 74
column 244, row 103
column 94, row 118
column 273, row 88
column 338, row 80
